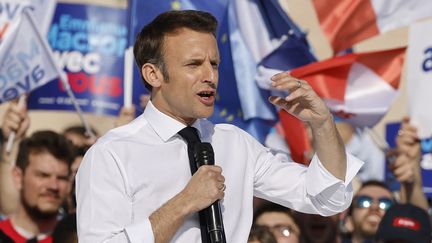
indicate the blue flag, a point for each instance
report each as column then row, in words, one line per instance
column 267, row 41
column 228, row 108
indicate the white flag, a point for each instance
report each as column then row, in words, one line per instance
column 419, row 77
column 11, row 10
column 26, row 60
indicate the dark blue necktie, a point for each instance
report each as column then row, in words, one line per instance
column 190, row 134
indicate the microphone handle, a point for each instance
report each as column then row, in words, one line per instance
column 214, row 223
column 204, row 155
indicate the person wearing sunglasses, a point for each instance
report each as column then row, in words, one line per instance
column 367, row 209
column 383, row 203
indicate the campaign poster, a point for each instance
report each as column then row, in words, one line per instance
column 88, row 41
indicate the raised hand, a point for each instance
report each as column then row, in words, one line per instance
column 407, row 163
column 302, row 100
column 305, row 104
column 406, row 168
column 407, row 140
column 16, row 120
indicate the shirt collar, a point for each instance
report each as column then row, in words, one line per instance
column 165, row 126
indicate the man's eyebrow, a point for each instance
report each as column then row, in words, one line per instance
column 215, row 60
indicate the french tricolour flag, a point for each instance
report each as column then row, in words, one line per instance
column 346, row 22
column 358, row 87
column 262, row 35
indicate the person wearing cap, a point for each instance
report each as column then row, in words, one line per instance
column 404, row 223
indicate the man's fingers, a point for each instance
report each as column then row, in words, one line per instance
column 407, row 137
column 291, row 84
column 25, row 124
column 402, row 170
column 213, row 168
column 11, row 125
column 296, row 94
column 278, row 101
column 284, row 81
column 13, row 117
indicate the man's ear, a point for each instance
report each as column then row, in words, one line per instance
column 17, row 176
column 152, row 75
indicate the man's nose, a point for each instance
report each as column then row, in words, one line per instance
column 374, row 206
column 53, row 183
column 209, row 73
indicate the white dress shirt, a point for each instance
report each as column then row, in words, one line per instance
column 134, row 169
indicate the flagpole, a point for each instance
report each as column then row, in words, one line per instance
column 128, row 59
column 128, row 77
column 65, row 81
column 63, row 77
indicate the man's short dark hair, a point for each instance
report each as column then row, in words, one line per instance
column 375, row 183
column 149, row 43
column 45, row 141
column 270, row 207
column 261, row 233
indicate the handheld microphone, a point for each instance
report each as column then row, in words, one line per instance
column 204, row 155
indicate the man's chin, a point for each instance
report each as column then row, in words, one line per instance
column 43, row 212
column 206, row 113
column 370, row 231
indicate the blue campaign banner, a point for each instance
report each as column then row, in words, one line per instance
column 88, row 43
column 426, row 163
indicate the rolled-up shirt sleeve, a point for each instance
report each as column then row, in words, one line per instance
column 308, row 189
column 327, row 192
column 104, row 202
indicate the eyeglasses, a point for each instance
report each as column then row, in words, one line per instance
column 282, row 230
column 384, row 203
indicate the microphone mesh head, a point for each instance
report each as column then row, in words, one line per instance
column 203, row 154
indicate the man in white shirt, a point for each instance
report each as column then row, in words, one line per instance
column 135, row 184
